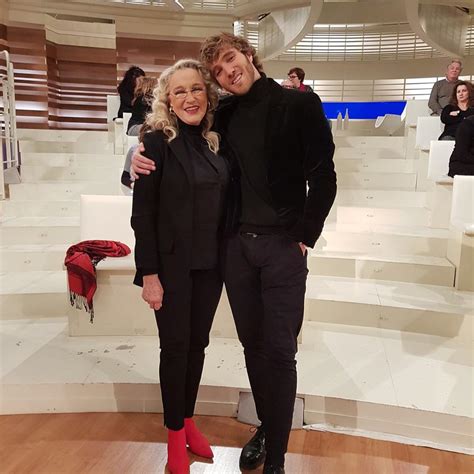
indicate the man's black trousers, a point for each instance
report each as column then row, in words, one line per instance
column 265, row 279
column 184, row 323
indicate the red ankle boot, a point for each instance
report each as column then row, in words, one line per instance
column 197, row 442
column 178, row 461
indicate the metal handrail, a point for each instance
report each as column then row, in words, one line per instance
column 8, row 136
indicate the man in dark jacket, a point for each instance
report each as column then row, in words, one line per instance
column 283, row 144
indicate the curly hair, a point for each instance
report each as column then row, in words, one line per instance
column 212, row 47
column 470, row 90
column 144, row 87
column 160, row 117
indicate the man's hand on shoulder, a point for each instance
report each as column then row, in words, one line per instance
column 141, row 164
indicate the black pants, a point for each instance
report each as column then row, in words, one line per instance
column 265, row 278
column 184, row 323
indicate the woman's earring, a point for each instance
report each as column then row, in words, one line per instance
column 171, row 111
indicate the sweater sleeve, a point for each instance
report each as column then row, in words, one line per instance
column 449, row 119
column 433, row 103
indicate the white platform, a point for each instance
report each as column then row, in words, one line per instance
column 348, row 376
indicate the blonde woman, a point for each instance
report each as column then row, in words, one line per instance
column 178, row 215
column 141, row 104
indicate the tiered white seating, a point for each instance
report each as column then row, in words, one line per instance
column 374, row 320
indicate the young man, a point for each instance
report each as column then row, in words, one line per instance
column 282, row 142
column 442, row 89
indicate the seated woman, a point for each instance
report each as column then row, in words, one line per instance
column 126, row 89
column 179, row 214
column 462, row 158
column 141, row 104
column 460, row 106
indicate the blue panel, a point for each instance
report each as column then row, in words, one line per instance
column 363, row 110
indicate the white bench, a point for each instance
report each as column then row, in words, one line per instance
column 118, row 306
column 427, row 129
column 461, row 243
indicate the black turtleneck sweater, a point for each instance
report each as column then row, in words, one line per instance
column 211, row 177
column 246, row 134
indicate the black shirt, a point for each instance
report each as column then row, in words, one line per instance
column 246, row 135
column 211, row 178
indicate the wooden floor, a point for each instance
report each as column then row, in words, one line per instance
column 135, row 443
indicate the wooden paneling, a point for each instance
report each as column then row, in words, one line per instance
column 79, row 79
column 153, row 56
column 27, row 53
column 60, row 86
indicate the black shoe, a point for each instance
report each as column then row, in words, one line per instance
column 271, row 469
column 253, row 453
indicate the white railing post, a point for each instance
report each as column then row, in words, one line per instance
column 9, row 136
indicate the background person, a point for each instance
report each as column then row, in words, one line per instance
column 126, row 89
column 462, row 158
column 442, row 89
column 177, row 216
column 296, row 76
column 460, row 106
column 141, row 105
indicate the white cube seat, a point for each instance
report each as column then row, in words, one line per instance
column 427, row 129
column 438, row 161
column 415, row 109
column 462, row 208
column 113, row 105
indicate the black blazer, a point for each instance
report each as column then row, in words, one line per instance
column 299, row 151
column 162, row 212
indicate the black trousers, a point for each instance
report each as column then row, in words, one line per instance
column 184, row 322
column 265, row 278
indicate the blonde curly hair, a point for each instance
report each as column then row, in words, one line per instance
column 160, row 117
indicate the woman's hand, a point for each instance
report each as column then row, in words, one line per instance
column 152, row 291
column 140, row 164
column 454, row 113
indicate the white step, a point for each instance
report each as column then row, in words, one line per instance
column 383, row 240
column 36, row 208
column 371, row 165
column 32, row 174
column 380, row 198
column 33, row 257
column 62, row 191
column 406, row 307
column 388, row 143
column 62, row 135
column 382, row 153
column 415, row 216
column 348, row 377
column 39, row 230
column 33, row 294
column 71, row 159
column 82, row 146
column 365, row 180
column 401, row 268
